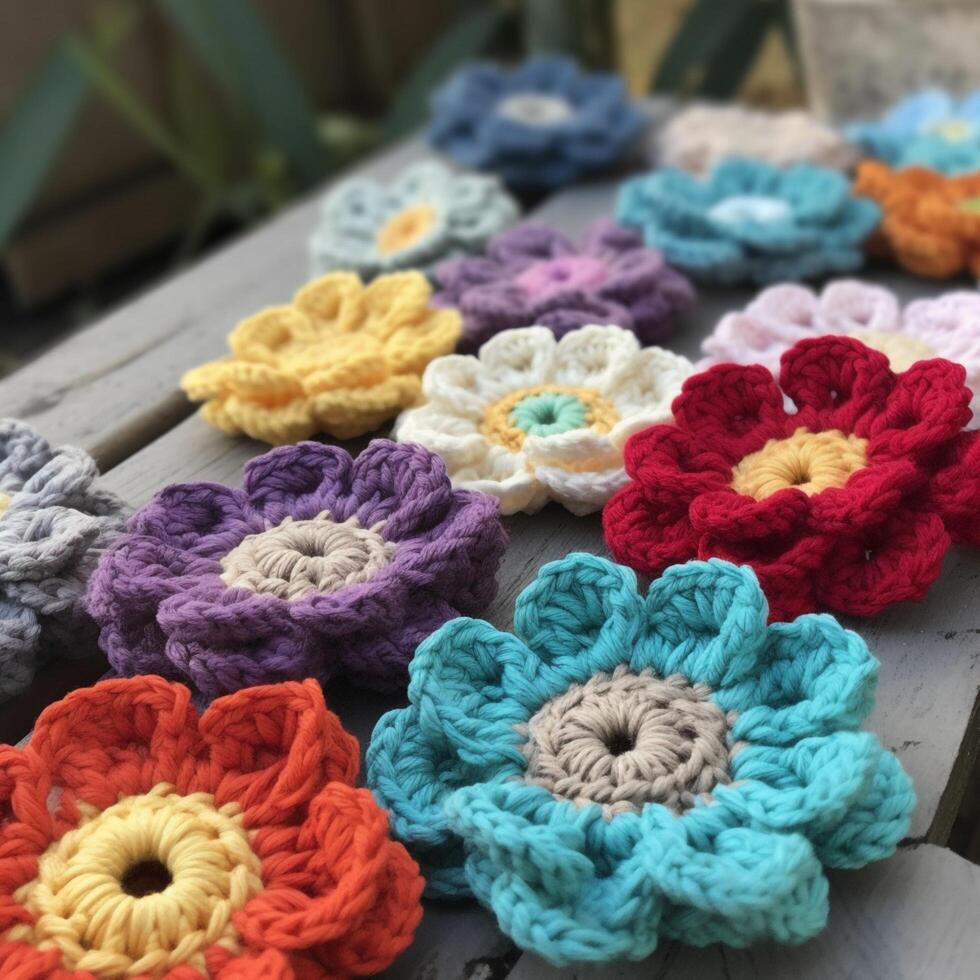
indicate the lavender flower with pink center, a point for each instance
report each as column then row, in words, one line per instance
column 534, row 275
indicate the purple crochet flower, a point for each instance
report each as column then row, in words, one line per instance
column 533, row 275
column 321, row 565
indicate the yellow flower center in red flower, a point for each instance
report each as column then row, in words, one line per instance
column 405, row 228
column 142, row 887
column 809, row 461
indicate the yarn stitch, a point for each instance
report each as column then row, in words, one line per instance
column 931, row 223
column 700, row 136
column 946, row 326
column 427, row 214
column 544, row 124
column 929, row 128
column 751, row 221
column 847, row 503
column 321, row 565
column 54, row 522
column 534, row 274
column 139, row 839
column 341, row 359
column 532, row 419
column 625, row 769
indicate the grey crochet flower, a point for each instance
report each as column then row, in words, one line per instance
column 427, row 214
column 54, row 524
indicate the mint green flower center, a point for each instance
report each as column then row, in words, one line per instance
column 549, row 413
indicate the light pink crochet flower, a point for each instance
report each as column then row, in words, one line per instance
column 947, row 326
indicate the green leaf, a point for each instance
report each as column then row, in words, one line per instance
column 35, row 132
column 469, row 37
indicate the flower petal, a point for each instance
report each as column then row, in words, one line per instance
column 461, row 383
column 849, row 305
column 520, row 358
column 23, row 452
column 955, row 489
column 587, row 357
column 19, row 636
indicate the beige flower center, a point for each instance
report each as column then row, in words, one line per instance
column 298, row 558
column 143, row 887
column 405, row 228
column 5, row 501
column 901, row 350
column 624, row 740
column 809, row 461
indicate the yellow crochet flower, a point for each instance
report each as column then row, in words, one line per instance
column 341, row 359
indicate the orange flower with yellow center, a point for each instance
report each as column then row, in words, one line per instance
column 341, row 359
column 931, row 223
column 139, row 839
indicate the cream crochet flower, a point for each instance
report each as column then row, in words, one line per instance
column 698, row 137
column 532, row 419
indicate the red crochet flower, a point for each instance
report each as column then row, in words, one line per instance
column 849, row 503
column 139, row 839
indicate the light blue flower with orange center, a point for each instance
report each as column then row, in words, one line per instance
column 624, row 768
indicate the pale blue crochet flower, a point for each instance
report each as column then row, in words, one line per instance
column 625, row 768
column 542, row 124
column 929, row 128
column 427, row 214
column 751, row 221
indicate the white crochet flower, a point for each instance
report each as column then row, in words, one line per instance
column 532, row 418
column 698, row 137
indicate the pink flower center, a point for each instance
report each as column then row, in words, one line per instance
column 569, row 272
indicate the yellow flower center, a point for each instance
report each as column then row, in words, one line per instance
column 953, row 130
column 405, row 228
column 809, row 461
column 5, row 501
column 142, row 887
column 901, row 350
column 546, row 410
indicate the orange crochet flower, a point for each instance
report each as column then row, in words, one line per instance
column 139, row 839
column 931, row 223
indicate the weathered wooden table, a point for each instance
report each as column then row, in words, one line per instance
column 113, row 389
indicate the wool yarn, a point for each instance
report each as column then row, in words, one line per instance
column 533, row 418
column 702, row 135
column 140, row 839
column 543, row 124
column 946, row 326
column 426, row 214
column 931, row 223
column 534, row 274
column 625, row 769
column 55, row 520
column 341, row 359
column 749, row 221
column 321, row 565
column 848, row 503
column 930, row 128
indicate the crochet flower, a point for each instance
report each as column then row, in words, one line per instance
column 139, row 839
column 848, row 503
column 54, row 522
column 341, row 359
column 930, row 128
column 931, row 223
column 947, row 326
column 533, row 419
column 427, row 214
column 750, row 221
column 697, row 138
column 534, row 274
column 543, row 124
column 321, row 565
column 626, row 769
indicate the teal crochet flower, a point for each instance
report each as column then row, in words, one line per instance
column 627, row 768
column 751, row 221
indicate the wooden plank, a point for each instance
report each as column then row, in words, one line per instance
column 909, row 918
column 114, row 386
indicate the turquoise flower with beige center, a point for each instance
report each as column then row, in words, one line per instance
column 532, row 418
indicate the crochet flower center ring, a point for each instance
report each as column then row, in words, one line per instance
column 405, row 228
column 143, row 886
column 623, row 740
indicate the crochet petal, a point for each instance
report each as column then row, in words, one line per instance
column 38, row 545
column 23, row 452
column 260, row 339
column 672, row 466
column 65, row 479
column 271, row 748
column 581, row 492
column 706, row 620
column 848, row 305
column 816, row 193
column 20, row 633
column 347, row 413
column 955, row 489
column 644, row 389
column 27, row 827
column 520, row 358
column 456, row 439
column 588, row 357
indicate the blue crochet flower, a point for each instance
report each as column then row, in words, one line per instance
column 627, row 768
column 930, row 128
column 543, row 124
column 751, row 221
